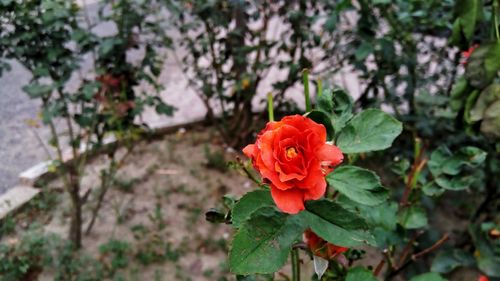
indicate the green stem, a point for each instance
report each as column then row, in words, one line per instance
column 295, row 265
column 320, row 87
column 495, row 18
column 305, row 77
column 270, row 109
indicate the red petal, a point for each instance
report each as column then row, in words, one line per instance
column 290, row 201
column 250, row 151
column 330, row 153
column 317, row 191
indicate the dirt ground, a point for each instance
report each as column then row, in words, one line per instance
column 160, row 198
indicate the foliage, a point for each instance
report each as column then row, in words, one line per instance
column 51, row 39
column 231, row 47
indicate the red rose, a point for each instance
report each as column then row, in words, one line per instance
column 109, row 80
column 468, row 53
column 483, row 278
column 320, row 247
column 293, row 156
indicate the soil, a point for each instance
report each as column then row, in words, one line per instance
column 158, row 201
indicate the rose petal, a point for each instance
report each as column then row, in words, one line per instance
column 250, row 151
column 289, row 201
column 330, row 154
column 287, row 176
column 317, row 191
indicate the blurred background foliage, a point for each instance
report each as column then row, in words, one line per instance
column 434, row 64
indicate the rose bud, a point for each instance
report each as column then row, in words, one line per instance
column 320, row 247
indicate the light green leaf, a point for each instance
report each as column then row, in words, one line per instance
column 413, row 217
column 360, row 273
column 358, row 184
column 430, row 276
column 370, row 130
column 262, row 244
column 337, row 104
column 248, row 204
column 37, row 90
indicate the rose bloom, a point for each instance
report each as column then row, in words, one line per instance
column 293, row 157
column 466, row 54
column 483, row 278
column 320, row 247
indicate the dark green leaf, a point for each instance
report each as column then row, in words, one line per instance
column 370, row 130
column 363, row 51
column 360, row 185
column 322, row 118
column 262, row 244
column 163, row 108
column 335, row 224
column 248, row 204
column 448, row 260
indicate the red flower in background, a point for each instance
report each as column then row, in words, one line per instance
column 320, row 247
column 483, row 278
column 293, row 156
column 468, row 53
column 109, row 80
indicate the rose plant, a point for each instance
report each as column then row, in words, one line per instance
column 51, row 38
column 299, row 161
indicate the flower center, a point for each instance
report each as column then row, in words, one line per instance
column 291, row 152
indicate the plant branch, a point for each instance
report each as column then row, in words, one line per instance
column 418, row 255
column 295, row 265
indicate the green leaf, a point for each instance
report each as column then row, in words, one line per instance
column 487, row 249
column 448, row 260
column 383, row 215
column 442, row 161
column 322, row 118
column 487, row 97
column 163, row 108
column 481, row 69
column 466, row 156
column 358, row 184
column 413, row 217
column 363, row 51
column 36, row 90
column 335, row 224
column 469, row 103
column 492, row 59
column 457, row 182
column 430, row 276
column 458, row 93
column 468, row 11
column 432, row 189
column 360, row 273
column 248, row 204
column 262, row 244
column 338, row 105
column 370, row 130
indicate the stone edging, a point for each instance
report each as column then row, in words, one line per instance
column 17, row 196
